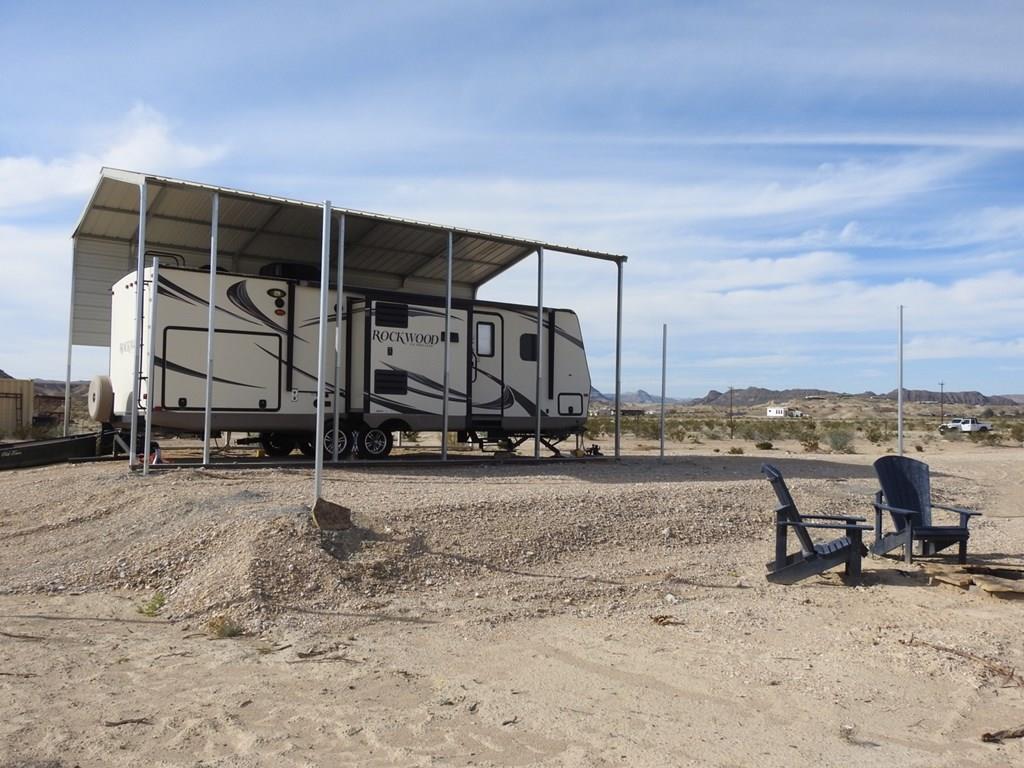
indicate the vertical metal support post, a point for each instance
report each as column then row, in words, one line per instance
column 140, row 265
column 339, row 311
column 71, row 336
column 618, row 364
column 212, row 297
column 540, row 348
column 899, row 389
column 150, row 363
column 664, row 358
column 447, row 346
column 325, row 275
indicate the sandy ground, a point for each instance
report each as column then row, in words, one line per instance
column 577, row 614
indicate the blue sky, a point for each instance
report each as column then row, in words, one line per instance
column 782, row 175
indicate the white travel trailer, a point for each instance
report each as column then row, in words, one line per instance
column 265, row 375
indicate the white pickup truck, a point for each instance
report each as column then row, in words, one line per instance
column 974, row 425
column 965, row 425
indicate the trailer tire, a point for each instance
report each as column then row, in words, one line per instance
column 375, row 442
column 101, row 399
column 307, row 444
column 277, row 444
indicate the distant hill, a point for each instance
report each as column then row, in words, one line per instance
column 52, row 388
column 758, row 396
column 1019, row 399
column 5, row 376
column 640, row 397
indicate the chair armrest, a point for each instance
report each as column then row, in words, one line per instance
column 833, row 526
column 895, row 510
column 958, row 510
column 848, row 518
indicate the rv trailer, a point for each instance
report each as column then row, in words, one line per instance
column 265, row 375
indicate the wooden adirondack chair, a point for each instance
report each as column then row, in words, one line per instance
column 906, row 496
column 812, row 558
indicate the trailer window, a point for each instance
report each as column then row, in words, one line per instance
column 485, row 339
column 390, row 382
column 528, row 347
column 392, row 315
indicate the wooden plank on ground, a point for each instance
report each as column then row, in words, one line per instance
column 997, row 585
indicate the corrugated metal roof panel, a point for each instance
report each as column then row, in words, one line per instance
column 253, row 229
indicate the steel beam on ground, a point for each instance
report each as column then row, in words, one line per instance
column 447, row 347
column 325, row 276
column 150, row 364
column 339, row 310
column 140, row 267
column 210, row 318
column 539, row 348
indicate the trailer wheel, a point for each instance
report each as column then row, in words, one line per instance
column 101, row 399
column 277, row 443
column 344, row 442
column 375, row 443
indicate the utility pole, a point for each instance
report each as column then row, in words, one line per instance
column 942, row 417
column 731, row 425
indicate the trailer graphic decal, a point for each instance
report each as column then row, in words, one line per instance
column 170, row 288
column 238, row 295
column 307, row 374
column 406, row 337
column 175, row 368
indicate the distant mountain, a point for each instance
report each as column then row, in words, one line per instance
column 954, row 398
column 53, row 388
column 1018, row 399
column 640, row 397
column 759, row 396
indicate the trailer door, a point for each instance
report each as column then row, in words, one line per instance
column 487, row 377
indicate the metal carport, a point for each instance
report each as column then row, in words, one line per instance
column 133, row 217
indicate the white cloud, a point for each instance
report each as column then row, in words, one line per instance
column 951, row 347
column 143, row 140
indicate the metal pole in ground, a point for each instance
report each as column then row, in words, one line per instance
column 664, row 358
column 140, row 265
column 447, row 347
column 150, row 364
column 325, row 274
column 539, row 348
column 212, row 298
column 899, row 389
column 618, row 364
column 339, row 310
column 71, row 336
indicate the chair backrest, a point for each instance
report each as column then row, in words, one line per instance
column 787, row 507
column 906, row 484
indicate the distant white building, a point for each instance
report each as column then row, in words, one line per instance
column 781, row 412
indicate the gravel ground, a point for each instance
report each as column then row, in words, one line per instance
column 632, row 591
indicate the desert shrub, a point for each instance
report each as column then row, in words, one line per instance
column 735, row 450
column 840, row 440
column 152, row 606
column 810, row 445
column 919, row 448
column 224, row 626
column 874, row 434
column 409, row 436
column 985, row 438
column 764, row 445
column 1017, row 433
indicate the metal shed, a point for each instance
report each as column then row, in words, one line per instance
column 133, row 217
column 17, row 403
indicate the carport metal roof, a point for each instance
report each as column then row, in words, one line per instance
column 254, row 229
